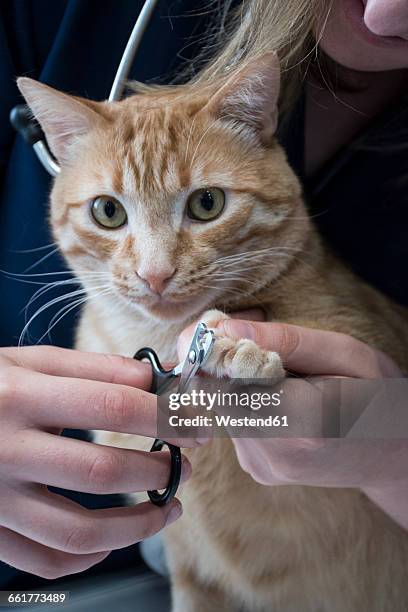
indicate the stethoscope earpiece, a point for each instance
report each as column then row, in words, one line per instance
column 24, row 123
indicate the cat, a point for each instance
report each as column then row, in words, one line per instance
column 180, row 199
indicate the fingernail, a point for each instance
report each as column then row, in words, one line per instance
column 175, row 512
column 185, row 469
column 201, row 441
column 237, row 329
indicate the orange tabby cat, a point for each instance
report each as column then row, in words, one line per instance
column 180, row 199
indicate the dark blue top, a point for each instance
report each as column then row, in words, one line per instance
column 74, row 45
column 359, row 198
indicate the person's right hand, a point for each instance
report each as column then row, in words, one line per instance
column 44, row 390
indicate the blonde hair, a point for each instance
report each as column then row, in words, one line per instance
column 257, row 26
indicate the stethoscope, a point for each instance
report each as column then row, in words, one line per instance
column 203, row 338
column 21, row 117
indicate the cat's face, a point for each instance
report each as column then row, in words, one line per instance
column 178, row 199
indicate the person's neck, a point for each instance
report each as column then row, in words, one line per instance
column 340, row 106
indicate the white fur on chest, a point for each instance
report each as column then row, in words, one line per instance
column 103, row 330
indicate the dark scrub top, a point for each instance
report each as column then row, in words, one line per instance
column 74, row 45
column 358, row 199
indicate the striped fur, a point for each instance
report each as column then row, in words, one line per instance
column 239, row 545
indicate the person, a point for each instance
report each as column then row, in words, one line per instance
column 344, row 133
column 71, row 45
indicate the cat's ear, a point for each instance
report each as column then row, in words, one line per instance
column 250, row 96
column 61, row 116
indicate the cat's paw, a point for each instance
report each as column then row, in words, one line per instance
column 242, row 358
column 212, row 317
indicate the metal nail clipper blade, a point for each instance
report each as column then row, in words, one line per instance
column 198, row 352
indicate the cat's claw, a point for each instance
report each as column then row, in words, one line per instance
column 241, row 358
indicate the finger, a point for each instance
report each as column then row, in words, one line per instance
column 89, row 468
column 28, row 556
column 312, row 351
column 335, row 436
column 251, row 314
column 76, row 364
column 60, row 402
column 57, row 522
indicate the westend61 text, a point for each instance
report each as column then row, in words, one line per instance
column 228, row 421
column 206, row 400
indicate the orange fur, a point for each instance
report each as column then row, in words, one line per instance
column 239, row 545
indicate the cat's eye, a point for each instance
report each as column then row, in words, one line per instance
column 108, row 212
column 206, row 204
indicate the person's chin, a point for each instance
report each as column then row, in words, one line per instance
column 364, row 51
column 354, row 11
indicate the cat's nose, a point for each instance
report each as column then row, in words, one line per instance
column 157, row 280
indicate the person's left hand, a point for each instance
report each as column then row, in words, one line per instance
column 375, row 466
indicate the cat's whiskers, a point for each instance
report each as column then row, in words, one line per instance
column 307, row 217
column 48, row 287
column 253, row 253
column 189, row 137
column 235, row 293
column 231, row 276
column 223, row 285
column 234, row 290
column 41, row 248
column 57, row 284
column 239, row 267
column 42, row 259
column 65, row 310
column 44, row 307
column 239, row 261
column 252, row 261
column 261, row 255
column 59, row 273
column 224, row 275
column 243, row 284
column 202, row 140
column 51, row 303
column 28, row 282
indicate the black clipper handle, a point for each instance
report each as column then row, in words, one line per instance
column 161, row 380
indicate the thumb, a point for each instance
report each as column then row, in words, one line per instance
column 184, row 341
column 251, row 314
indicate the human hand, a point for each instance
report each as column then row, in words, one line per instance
column 375, row 466
column 44, row 390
